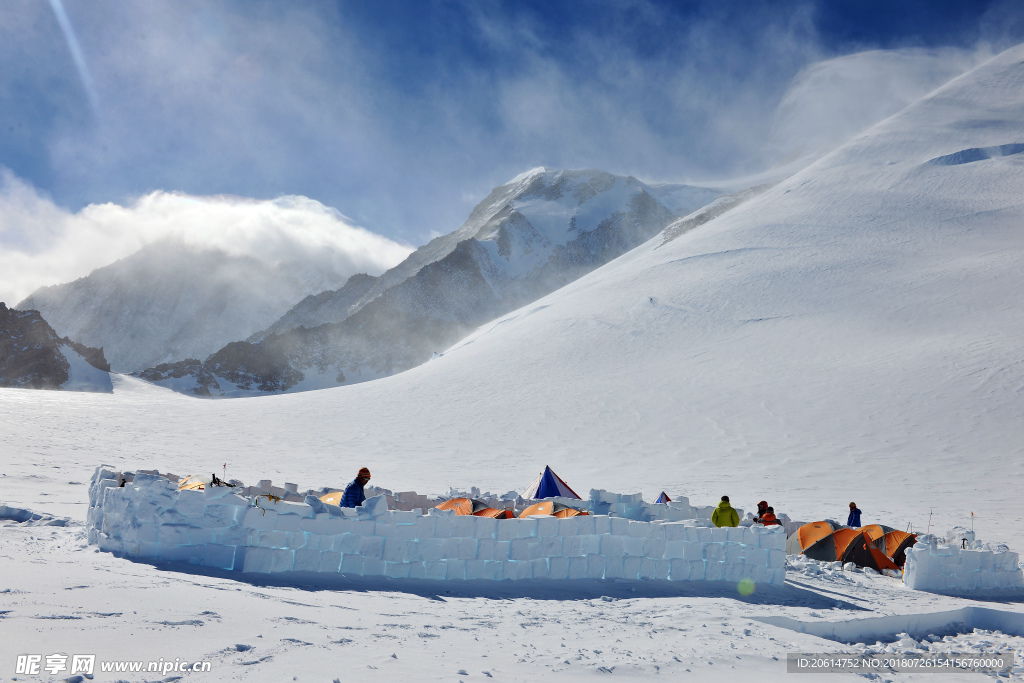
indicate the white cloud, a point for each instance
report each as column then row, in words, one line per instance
column 43, row 244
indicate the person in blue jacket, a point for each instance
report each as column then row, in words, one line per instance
column 354, row 495
column 854, row 518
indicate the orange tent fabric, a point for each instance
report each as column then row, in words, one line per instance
column 332, row 498
column 876, row 531
column 896, row 544
column 197, row 482
column 549, row 507
column 864, row 551
column 495, row 513
column 832, row 546
column 463, row 506
column 807, row 535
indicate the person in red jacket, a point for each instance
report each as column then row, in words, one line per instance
column 762, row 508
column 768, row 518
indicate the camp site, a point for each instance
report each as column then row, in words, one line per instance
column 517, row 340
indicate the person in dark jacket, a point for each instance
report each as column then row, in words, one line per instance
column 854, row 519
column 725, row 514
column 354, row 495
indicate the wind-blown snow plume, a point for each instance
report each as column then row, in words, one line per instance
column 831, row 101
column 43, row 244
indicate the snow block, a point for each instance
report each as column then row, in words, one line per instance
column 263, row 520
column 394, row 550
column 374, row 507
column 385, row 529
column 307, row 560
column 646, row 569
column 464, row 526
column 373, row 566
column 526, row 528
column 371, row 547
column 485, row 548
column 287, row 522
column 486, row 527
column 352, row 564
column 595, row 566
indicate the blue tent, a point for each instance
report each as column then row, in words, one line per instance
column 548, row 485
column 663, row 498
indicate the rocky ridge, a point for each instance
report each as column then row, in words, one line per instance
column 32, row 356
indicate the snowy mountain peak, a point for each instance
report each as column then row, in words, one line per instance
column 526, row 175
column 540, row 231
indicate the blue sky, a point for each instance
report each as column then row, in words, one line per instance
column 403, row 114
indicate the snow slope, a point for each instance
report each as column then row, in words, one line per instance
column 852, row 333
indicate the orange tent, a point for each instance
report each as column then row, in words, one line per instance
column 833, row 546
column 895, row 544
column 550, row 507
column 463, row 506
column 333, row 498
column 864, row 552
column 876, row 531
column 808, row 535
column 197, row 482
column 495, row 513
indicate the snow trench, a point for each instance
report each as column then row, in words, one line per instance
column 29, row 518
column 888, row 628
column 150, row 519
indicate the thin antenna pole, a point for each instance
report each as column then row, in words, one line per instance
column 929, row 522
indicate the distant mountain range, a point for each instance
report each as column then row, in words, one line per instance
column 538, row 232
column 32, row 356
column 170, row 300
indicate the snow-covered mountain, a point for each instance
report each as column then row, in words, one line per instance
column 534, row 234
column 860, row 316
column 32, row 356
column 172, row 300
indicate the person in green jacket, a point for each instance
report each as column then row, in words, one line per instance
column 725, row 514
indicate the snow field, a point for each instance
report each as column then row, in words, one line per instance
column 149, row 518
column 937, row 567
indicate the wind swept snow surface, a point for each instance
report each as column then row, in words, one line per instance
column 853, row 333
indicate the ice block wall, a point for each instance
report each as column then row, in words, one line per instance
column 942, row 567
column 149, row 518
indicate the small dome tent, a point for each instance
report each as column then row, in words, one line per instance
column 196, row 482
column 663, row 499
column 496, row 513
column 876, row 531
column 831, row 547
column 864, row 552
column 895, row 544
column 548, row 485
column 808, row 535
column 550, row 507
column 333, row 498
column 464, row 506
